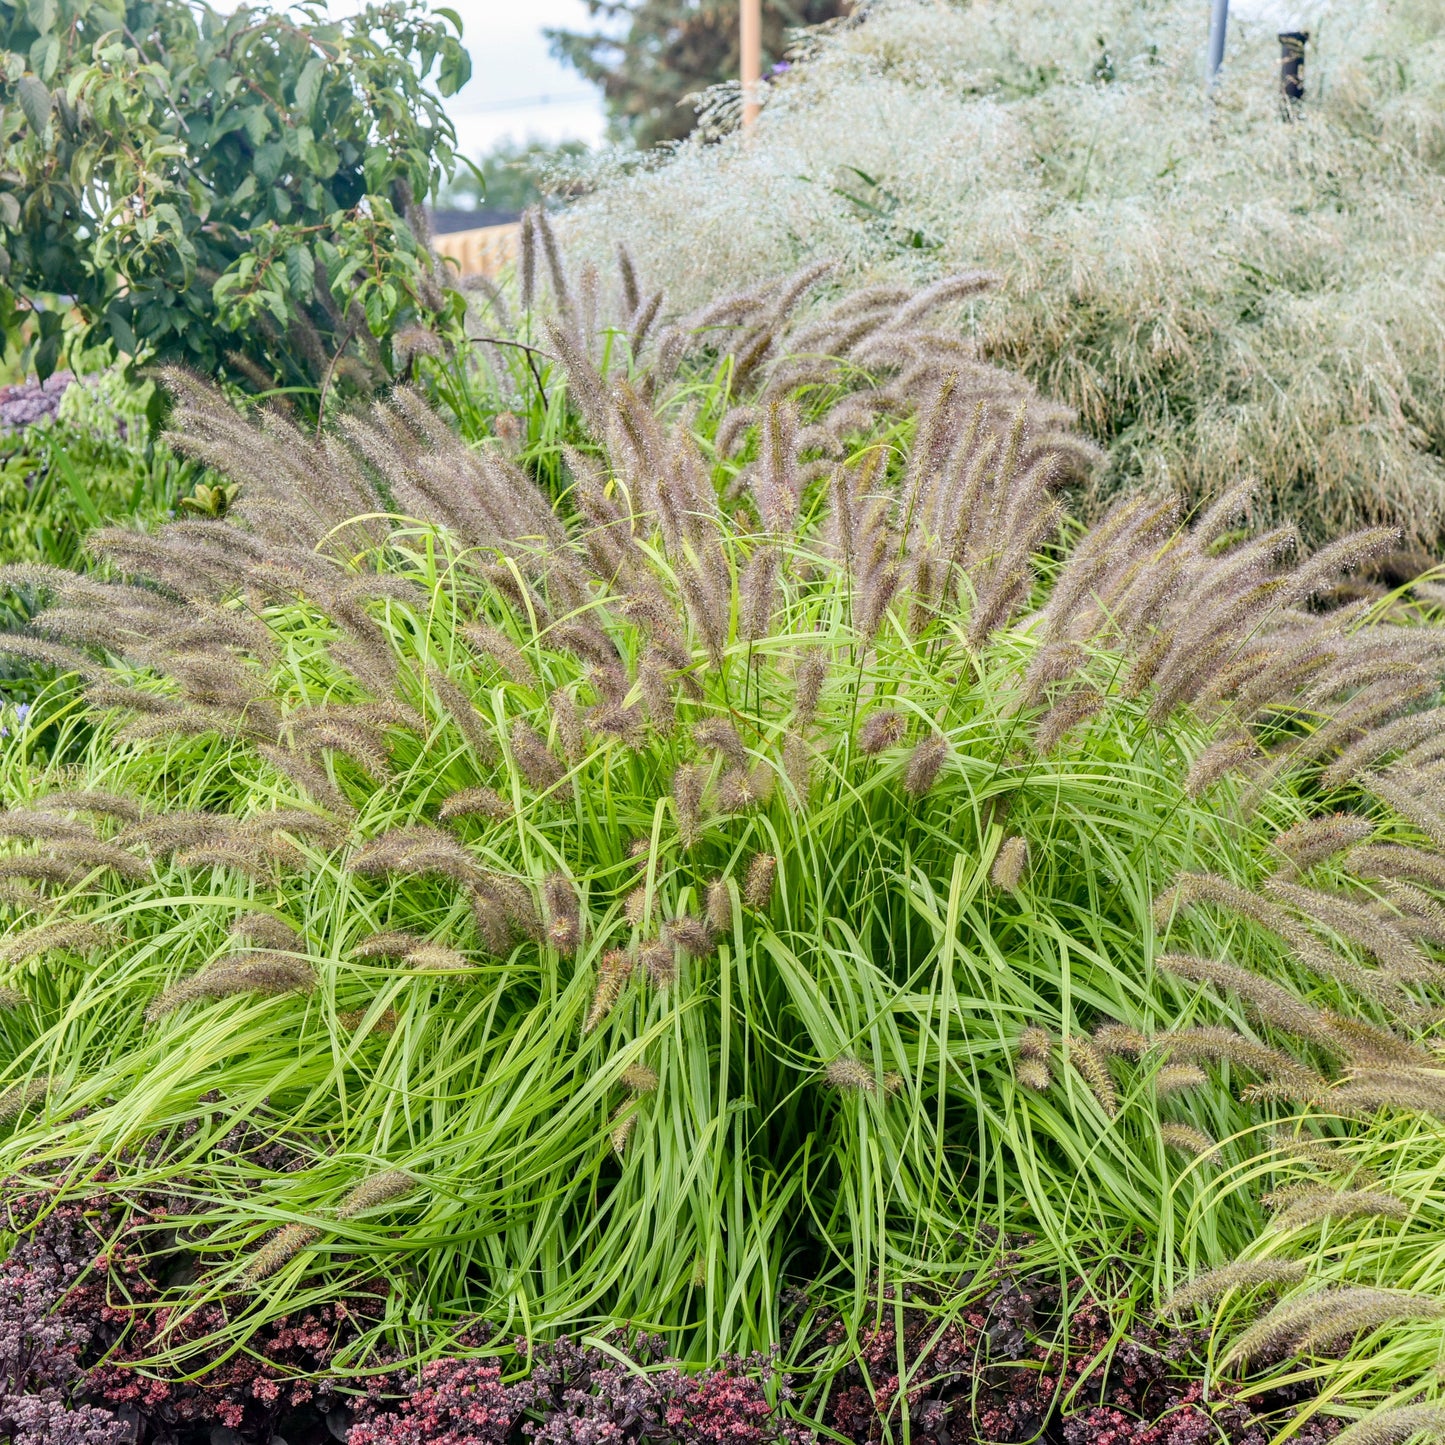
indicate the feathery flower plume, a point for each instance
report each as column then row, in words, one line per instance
column 718, row 736
column 94, row 800
column 850, row 1075
column 417, row 849
column 1312, row 840
column 1320, row 1204
column 740, row 789
column 691, row 935
column 18, row 1098
column 1071, row 710
column 1320, row 1152
column 612, row 973
column 809, row 674
column 1229, row 754
column 1410, row 805
column 1119, row 1040
column 1035, row 1043
column 1187, row 1138
column 1033, row 1074
column 1366, row 1043
column 267, row 931
column 11, row 998
column 634, row 906
column 881, row 729
column 687, row 786
column 640, row 1079
column 474, row 803
column 571, row 732
column 757, row 591
column 262, row 973
column 1315, row 1321
column 921, row 770
column 436, row 958
column 377, row 1190
column 1351, row 919
column 93, row 854
column 283, row 1246
column 31, row 825
column 564, row 919
column 531, row 754
column 1396, row 1426
column 1274, row 1003
column 1176, row 1078
column 1208, row 1041
column 719, row 912
column 1242, row 1274
column 659, row 959
column 391, row 943
column 61, row 936
column 622, row 1131
column 1412, row 1090
column 495, row 645
column 1010, row 864
column 1093, row 1067
column 1396, row 860
column 758, row 889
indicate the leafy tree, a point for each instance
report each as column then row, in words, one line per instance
column 210, row 189
column 661, row 51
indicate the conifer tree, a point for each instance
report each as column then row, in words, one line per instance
column 651, row 55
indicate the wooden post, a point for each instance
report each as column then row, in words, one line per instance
column 752, row 59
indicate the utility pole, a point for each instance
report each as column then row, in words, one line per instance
column 751, row 38
column 1218, row 25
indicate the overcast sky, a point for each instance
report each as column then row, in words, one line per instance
column 517, row 89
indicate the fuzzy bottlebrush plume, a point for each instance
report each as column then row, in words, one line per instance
column 564, row 915
column 265, row 930
column 1187, row 1138
column 851, row 1075
column 613, row 972
column 1321, row 1204
column 254, row 973
column 1313, row 840
column 758, row 887
column 1396, row 860
column 880, row 730
column 1226, row 1046
column 639, row 1079
column 924, row 763
column 393, row 943
column 283, row 1246
column 1092, row 1064
column 1397, row 1426
column 741, row 789
column 12, row 998
column 533, row 758
column 19, row 1098
column 688, row 783
column 415, row 850
column 692, row 935
column 474, row 803
column 1316, row 1321
column 1011, row 864
column 60, row 936
column 716, row 736
column 1034, row 1051
column 1120, row 1041
column 809, row 675
column 1273, row 1002
column 1353, row 920
column 1248, row 1274
column 1218, row 760
column 635, row 906
column 93, row 800
column 659, row 960
column 1178, row 1078
column 719, row 913
column 371, row 1193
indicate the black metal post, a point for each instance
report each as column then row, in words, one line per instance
column 1292, row 64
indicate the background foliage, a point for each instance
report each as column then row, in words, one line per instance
column 223, row 191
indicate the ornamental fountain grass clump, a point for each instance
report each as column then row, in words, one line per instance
column 785, row 859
